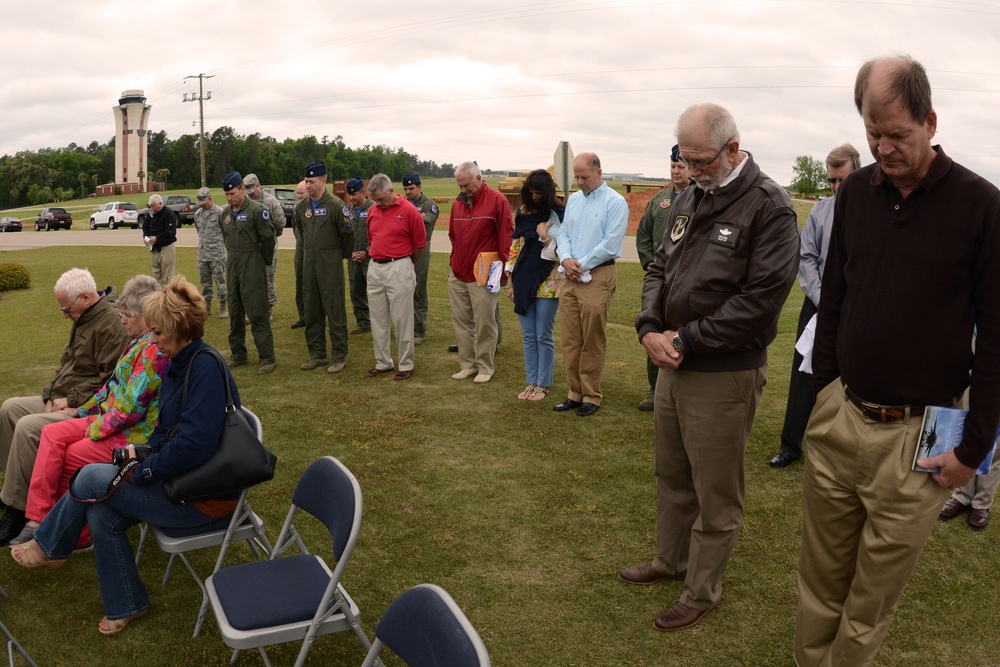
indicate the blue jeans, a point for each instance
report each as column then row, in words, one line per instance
column 539, row 347
column 121, row 589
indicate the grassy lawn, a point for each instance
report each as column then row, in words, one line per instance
column 522, row 514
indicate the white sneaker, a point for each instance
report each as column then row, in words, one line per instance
column 464, row 373
column 482, row 378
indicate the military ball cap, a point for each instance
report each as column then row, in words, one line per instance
column 411, row 178
column 250, row 182
column 232, row 180
column 204, row 194
column 315, row 169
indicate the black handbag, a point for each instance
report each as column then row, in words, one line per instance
column 239, row 462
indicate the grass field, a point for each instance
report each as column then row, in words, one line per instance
column 522, row 514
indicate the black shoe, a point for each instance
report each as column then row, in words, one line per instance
column 299, row 324
column 453, row 348
column 587, row 409
column 11, row 525
column 783, row 459
column 568, row 404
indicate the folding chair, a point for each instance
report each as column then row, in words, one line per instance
column 243, row 525
column 13, row 644
column 295, row 598
column 425, row 628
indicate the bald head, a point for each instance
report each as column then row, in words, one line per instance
column 300, row 190
column 882, row 81
column 587, row 171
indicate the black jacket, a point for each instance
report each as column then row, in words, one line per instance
column 163, row 226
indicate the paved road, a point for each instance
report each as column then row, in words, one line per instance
column 187, row 237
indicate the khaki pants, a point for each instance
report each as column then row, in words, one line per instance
column 164, row 264
column 21, row 422
column 390, row 298
column 583, row 322
column 473, row 314
column 703, row 423
column 866, row 517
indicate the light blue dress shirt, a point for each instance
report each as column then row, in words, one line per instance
column 593, row 228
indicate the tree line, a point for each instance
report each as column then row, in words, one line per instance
column 58, row 174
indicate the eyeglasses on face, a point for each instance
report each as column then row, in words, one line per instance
column 66, row 309
column 701, row 164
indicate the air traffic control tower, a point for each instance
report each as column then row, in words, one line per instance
column 131, row 116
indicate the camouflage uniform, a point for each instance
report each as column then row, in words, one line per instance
column 211, row 255
column 357, row 217
column 326, row 235
column 273, row 207
column 250, row 243
column 429, row 212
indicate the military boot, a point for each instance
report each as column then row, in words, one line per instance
column 208, row 306
column 223, row 313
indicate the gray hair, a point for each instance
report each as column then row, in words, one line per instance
column 76, row 282
column 155, row 199
column 378, row 183
column 720, row 123
column 135, row 290
column 470, row 168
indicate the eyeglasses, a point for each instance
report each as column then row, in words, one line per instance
column 66, row 309
column 701, row 164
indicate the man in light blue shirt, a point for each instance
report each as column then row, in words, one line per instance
column 589, row 241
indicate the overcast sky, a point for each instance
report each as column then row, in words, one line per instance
column 498, row 82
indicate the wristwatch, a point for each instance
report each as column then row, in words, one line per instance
column 678, row 343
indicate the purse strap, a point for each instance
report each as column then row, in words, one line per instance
column 230, row 405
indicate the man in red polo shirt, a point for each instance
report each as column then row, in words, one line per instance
column 396, row 239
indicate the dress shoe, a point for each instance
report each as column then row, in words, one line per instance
column 464, row 373
column 644, row 574
column 403, row 375
column 299, row 324
column 313, row 364
column 952, row 508
column 782, row 459
column 375, row 372
column 358, row 331
column 646, row 404
column 587, row 409
column 568, row 404
column 681, row 617
column 267, row 369
column 978, row 518
column 482, row 378
column 11, row 525
column 336, row 367
column 453, row 348
column 236, row 363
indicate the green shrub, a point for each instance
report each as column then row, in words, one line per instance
column 14, row 276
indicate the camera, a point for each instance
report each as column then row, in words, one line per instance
column 119, row 455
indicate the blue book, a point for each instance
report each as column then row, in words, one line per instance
column 941, row 431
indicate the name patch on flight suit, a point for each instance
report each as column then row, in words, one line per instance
column 242, row 217
column 679, row 227
column 321, row 211
column 724, row 234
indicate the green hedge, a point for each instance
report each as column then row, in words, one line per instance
column 14, row 276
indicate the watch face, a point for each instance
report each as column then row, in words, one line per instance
column 678, row 343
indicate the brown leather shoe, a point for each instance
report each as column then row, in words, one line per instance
column 978, row 518
column 645, row 574
column 952, row 508
column 403, row 375
column 681, row 617
column 375, row 372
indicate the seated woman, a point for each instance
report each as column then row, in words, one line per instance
column 176, row 318
column 124, row 411
column 534, row 285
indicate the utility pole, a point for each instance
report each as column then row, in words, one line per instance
column 201, row 113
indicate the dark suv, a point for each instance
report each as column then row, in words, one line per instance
column 286, row 197
column 53, row 218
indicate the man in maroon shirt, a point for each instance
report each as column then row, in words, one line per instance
column 912, row 268
column 396, row 239
column 481, row 224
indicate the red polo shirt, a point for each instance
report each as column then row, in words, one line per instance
column 396, row 231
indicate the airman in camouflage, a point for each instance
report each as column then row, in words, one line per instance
column 356, row 213
column 273, row 206
column 211, row 251
column 429, row 212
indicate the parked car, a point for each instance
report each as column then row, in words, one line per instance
column 116, row 214
column 53, row 218
column 179, row 204
column 10, row 225
column 286, row 197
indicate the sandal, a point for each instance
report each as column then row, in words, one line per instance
column 539, row 393
column 526, row 394
column 30, row 555
column 107, row 627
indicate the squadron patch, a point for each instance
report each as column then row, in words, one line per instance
column 665, row 203
column 346, row 212
column 267, row 216
column 679, row 227
column 227, row 220
column 724, row 234
column 309, row 214
column 434, row 208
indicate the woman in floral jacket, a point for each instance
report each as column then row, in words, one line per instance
column 122, row 412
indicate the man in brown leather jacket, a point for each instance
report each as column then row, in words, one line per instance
column 710, row 305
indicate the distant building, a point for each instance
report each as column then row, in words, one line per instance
column 131, row 165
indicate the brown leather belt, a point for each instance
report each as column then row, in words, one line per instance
column 882, row 413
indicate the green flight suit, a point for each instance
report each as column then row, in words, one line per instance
column 249, row 237
column 429, row 212
column 326, row 235
column 357, row 217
